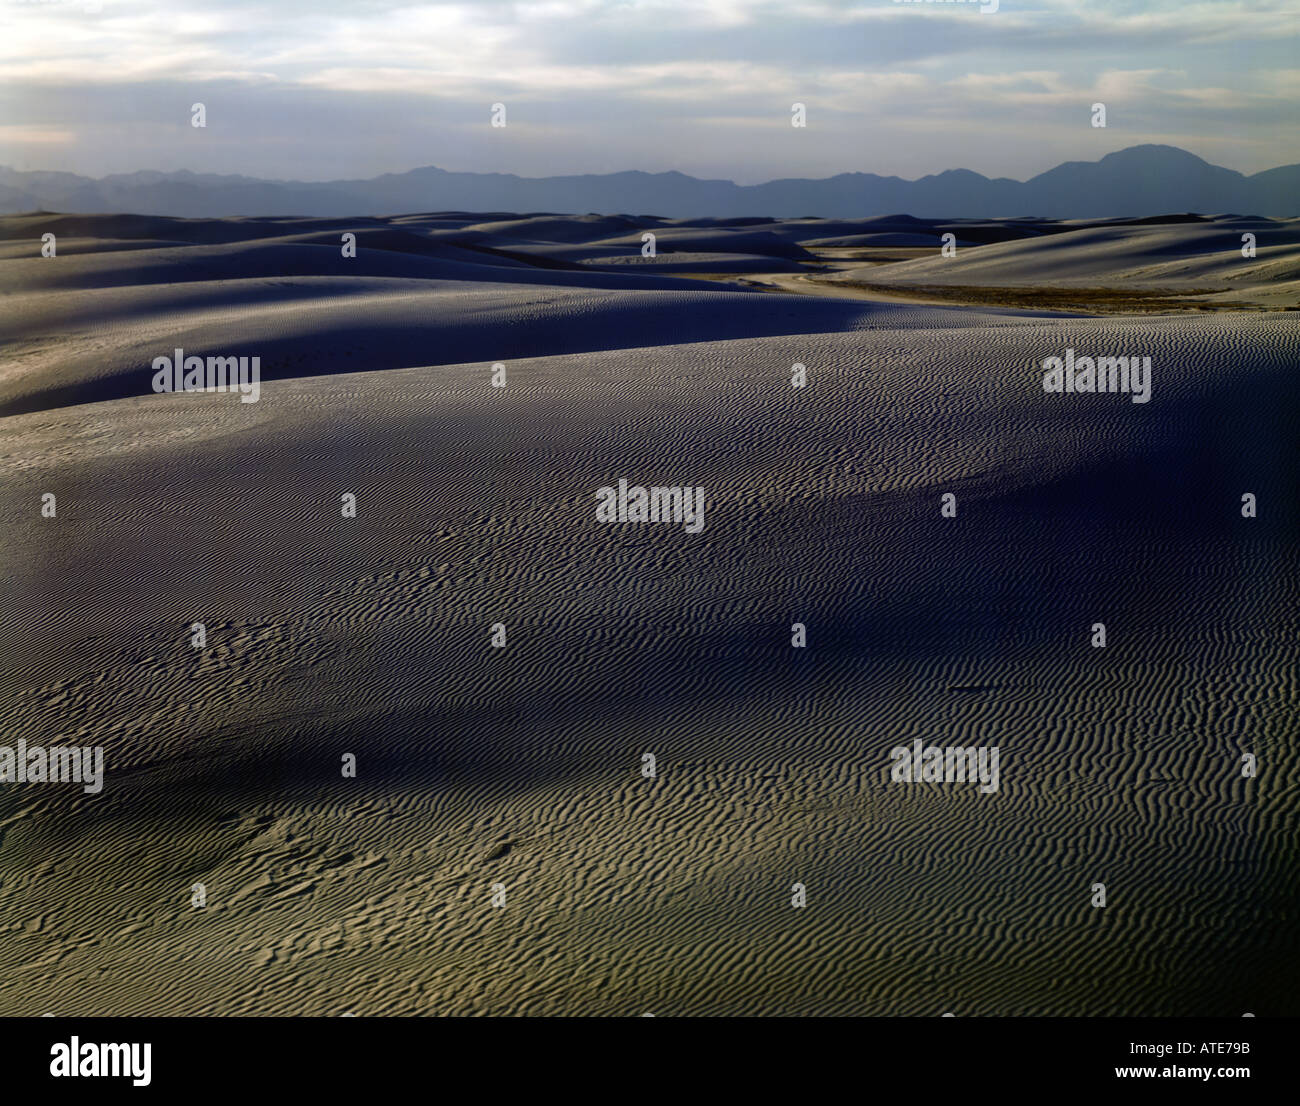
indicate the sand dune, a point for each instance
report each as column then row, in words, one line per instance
column 1205, row 255
column 85, row 326
column 521, row 766
column 892, row 238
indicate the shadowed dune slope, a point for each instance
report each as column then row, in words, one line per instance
column 87, row 324
column 520, row 766
column 1120, row 254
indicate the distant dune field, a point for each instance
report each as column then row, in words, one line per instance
column 521, row 766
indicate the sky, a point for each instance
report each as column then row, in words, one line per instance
column 331, row 89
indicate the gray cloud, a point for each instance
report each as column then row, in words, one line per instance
column 354, row 89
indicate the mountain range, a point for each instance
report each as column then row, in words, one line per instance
column 1136, row 182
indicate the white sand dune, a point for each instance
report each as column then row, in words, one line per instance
column 521, row 766
column 892, row 238
column 1204, row 255
column 71, row 346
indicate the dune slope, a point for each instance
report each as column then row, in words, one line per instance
column 521, row 766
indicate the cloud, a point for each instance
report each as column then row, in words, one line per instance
column 379, row 85
column 30, row 134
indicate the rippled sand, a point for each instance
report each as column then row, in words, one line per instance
column 521, row 766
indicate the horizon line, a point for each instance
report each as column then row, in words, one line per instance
column 655, row 173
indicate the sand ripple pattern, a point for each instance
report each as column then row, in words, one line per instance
column 520, row 766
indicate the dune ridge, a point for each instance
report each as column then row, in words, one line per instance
column 328, row 635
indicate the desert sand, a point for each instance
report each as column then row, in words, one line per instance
column 522, row 766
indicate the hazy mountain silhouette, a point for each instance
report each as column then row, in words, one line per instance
column 1139, row 181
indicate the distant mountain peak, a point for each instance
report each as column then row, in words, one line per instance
column 1134, row 182
column 1152, row 154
